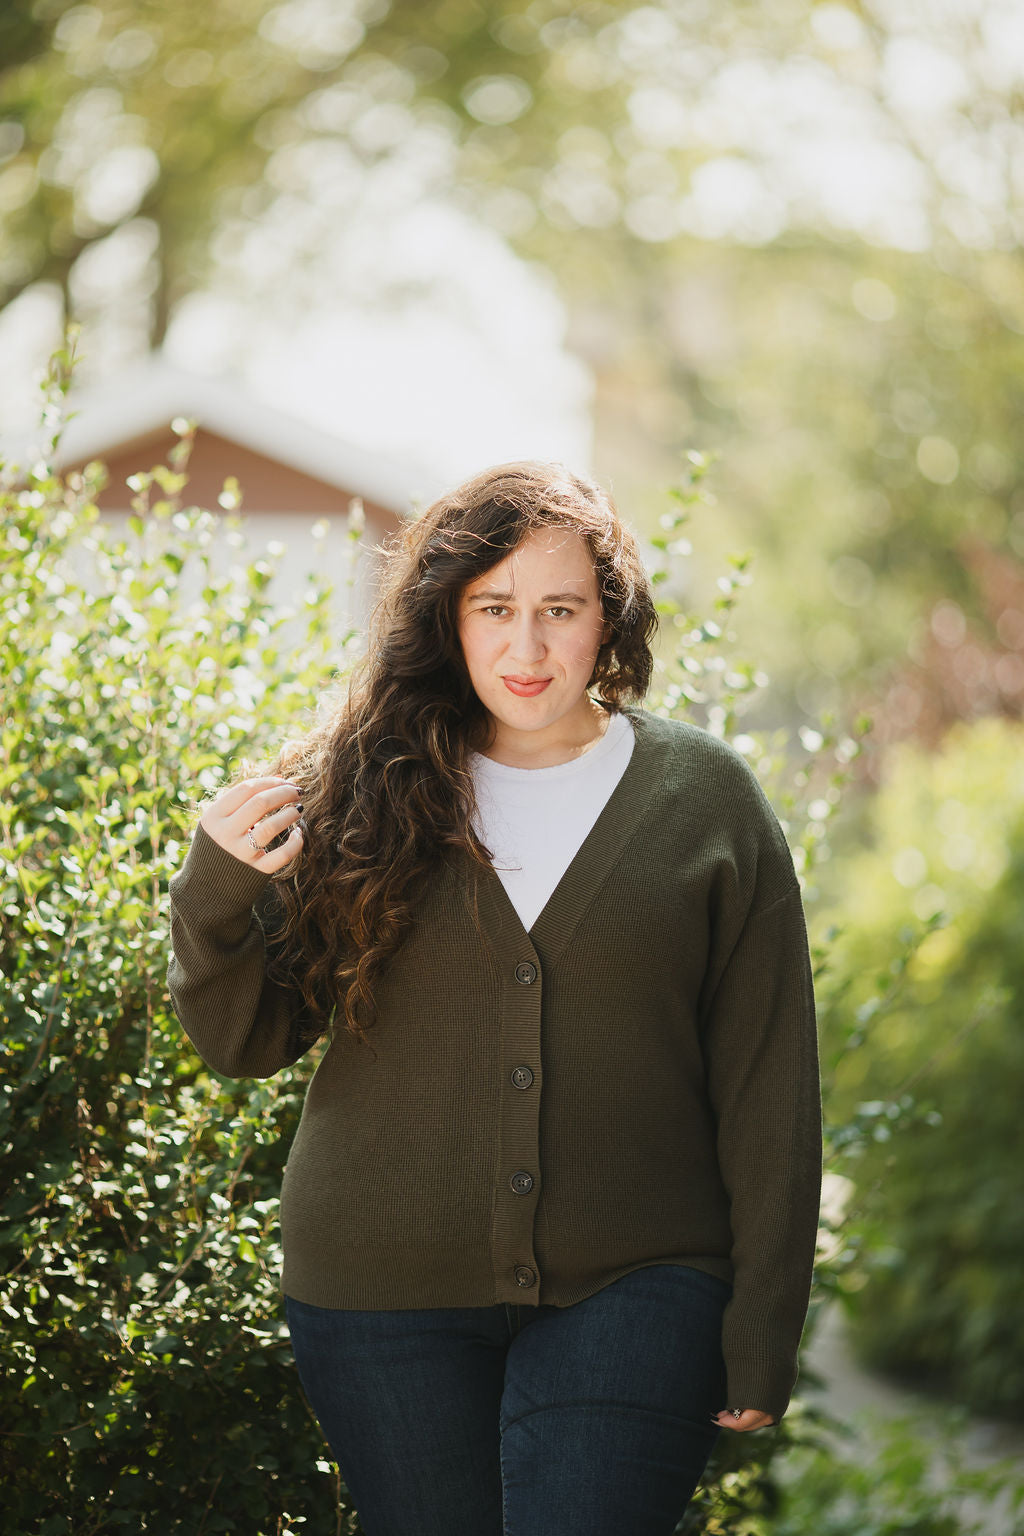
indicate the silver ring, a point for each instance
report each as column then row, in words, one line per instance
column 253, row 843
column 737, row 1413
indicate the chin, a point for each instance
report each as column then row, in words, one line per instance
column 529, row 714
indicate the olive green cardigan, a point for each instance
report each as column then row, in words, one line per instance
column 634, row 1081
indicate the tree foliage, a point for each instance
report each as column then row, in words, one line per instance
column 581, row 124
column 864, row 403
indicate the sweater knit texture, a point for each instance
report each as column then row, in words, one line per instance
column 632, row 1081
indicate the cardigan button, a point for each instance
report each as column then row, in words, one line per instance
column 524, row 1275
column 522, row 1077
column 526, row 972
column 521, row 1182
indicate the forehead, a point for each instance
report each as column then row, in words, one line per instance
column 544, row 554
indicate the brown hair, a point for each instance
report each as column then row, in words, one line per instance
column 385, row 779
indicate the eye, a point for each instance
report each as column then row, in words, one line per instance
column 494, row 608
column 558, row 608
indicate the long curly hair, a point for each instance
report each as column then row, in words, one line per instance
column 385, row 777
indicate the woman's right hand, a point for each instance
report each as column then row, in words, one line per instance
column 266, row 807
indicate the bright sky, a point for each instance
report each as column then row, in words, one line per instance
column 460, row 357
column 457, row 360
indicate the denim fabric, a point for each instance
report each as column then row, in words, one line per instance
column 589, row 1420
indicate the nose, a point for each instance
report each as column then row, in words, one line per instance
column 526, row 642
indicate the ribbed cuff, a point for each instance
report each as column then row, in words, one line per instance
column 761, row 1384
column 213, row 886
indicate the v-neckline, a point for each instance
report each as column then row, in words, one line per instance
column 590, row 865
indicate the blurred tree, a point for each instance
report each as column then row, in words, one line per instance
column 574, row 121
column 120, row 111
column 866, row 402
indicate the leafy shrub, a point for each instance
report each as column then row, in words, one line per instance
column 932, row 1264
column 890, row 1479
column 153, row 1385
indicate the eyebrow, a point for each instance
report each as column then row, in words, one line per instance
column 503, row 597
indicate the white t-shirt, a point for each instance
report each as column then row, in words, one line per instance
column 534, row 820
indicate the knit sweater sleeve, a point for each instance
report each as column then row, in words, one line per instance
column 763, row 1078
column 241, row 1023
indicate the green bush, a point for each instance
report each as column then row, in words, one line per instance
column 892, row 1479
column 936, row 1232
column 152, row 1384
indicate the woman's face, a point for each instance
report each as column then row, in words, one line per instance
column 530, row 630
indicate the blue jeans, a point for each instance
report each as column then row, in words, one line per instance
column 589, row 1420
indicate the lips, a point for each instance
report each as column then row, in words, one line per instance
column 526, row 687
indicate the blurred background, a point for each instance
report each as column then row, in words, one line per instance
column 372, row 247
column 448, row 234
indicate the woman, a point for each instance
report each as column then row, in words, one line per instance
column 550, row 1212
